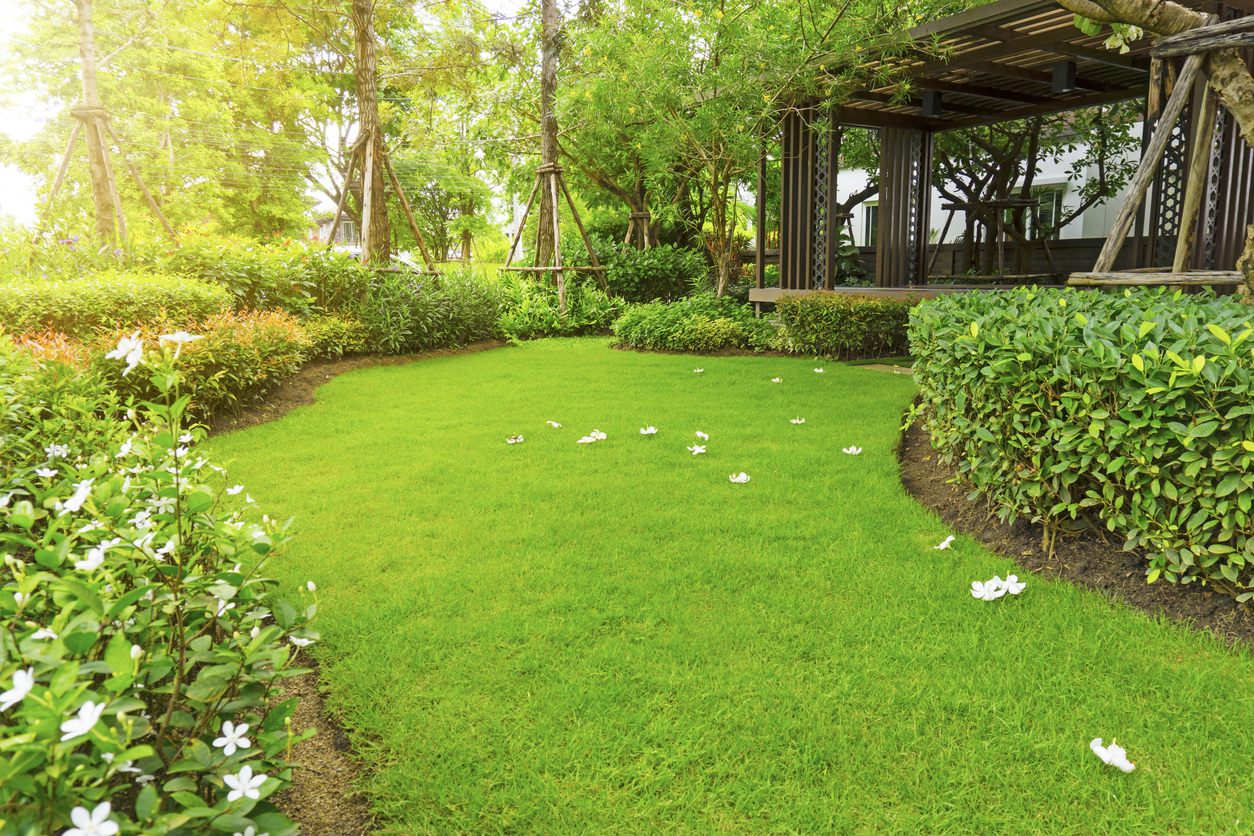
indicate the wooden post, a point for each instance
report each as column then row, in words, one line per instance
column 101, row 191
column 1149, row 163
column 339, row 206
column 140, row 181
column 367, row 199
column 1195, row 186
column 376, row 229
column 557, row 243
column 409, row 213
column 759, row 209
column 65, row 166
column 549, row 43
column 592, row 256
column 522, row 223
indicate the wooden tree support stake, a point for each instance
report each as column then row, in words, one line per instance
column 339, row 206
column 409, row 213
column 140, row 181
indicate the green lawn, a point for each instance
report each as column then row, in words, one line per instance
column 611, row 638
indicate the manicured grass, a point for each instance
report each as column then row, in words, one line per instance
column 611, row 638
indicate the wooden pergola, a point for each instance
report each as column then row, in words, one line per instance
column 1011, row 59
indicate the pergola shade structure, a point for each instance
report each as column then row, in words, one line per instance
column 1011, row 59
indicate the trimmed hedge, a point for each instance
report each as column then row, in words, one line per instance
column 1130, row 411
column 843, row 326
column 701, row 322
column 84, row 307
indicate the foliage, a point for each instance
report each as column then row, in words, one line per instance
column 299, row 277
column 137, row 621
column 84, row 307
column 239, row 357
column 842, row 326
column 529, row 308
column 1130, row 411
column 848, row 264
column 332, row 337
column 53, row 256
column 700, row 322
column 665, row 272
column 407, row 312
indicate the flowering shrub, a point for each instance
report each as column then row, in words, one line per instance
column 141, row 645
column 81, row 309
column 240, row 357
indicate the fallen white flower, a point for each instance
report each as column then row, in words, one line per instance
column 702, row 436
column 1013, row 586
column 777, row 380
column 514, row 439
column 698, row 371
column 945, row 543
column 853, row 451
column 797, row 420
column 739, row 478
column 697, row 449
column 553, row 424
column 1112, row 754
column 598, row 435
column 648, row 430
column 983, row 591
column 818, row 371
column 998, row 585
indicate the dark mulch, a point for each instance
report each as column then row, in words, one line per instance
column 321, row 798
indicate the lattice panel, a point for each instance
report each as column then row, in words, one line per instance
column 1170, row 203
column 821, row 217
column 1210, row 205
column 916, row 174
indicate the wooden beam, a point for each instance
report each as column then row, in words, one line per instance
column 1039, row 76
column 1129, row 279
column 1072, row 104
column 995, row 51
column 1233, row 33
column 865, row 118
column 1195, row 185
column 982, row 92
column 916, row 103
column 1103, row 56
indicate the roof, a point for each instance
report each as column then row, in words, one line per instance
column 1000, row 66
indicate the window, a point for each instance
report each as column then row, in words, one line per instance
column 1049, row 213
column 348, row 232
column 872, row 216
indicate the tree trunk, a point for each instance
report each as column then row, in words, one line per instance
column 375, row 224
column 1246, row 265
column 468, row 211
column 545, row 245
column 101, row 193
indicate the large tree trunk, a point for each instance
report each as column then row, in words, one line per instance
column 101, row 194
column 374, row 218
column 545, row 245
column 1246, row 265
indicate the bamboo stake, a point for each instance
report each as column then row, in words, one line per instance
column 65, row 166
column 509, row 257
column 1203, row 135
column 140, row 181
column 557, row 245
column 367, row 197
column 587, row 243
column 111, row 177
column 1149, row 164
column 339, row 206
column 409, row 213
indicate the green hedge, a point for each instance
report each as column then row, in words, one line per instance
column 843, row 326
column 1132, row 412
column 701, row 322
column 84, row 307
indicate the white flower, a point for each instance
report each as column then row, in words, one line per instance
column 1112, row 754
column 250, row 831
column 88, row 715
column 587, row 439
column 739, row 478
column 19, row 598
column 598, row 435
column 185, row 437
column 95, row 557
column 43, row 633
column 125, row 449
column 181, row 452
column 244, row 785
column 249, row 499
column 311, row 587
column 129, row 348
column 853, row 451
column 256, row 631
column 46, row 472
column 136, row 651
column 23, row 681
column 553, row 424
column 796, row 420
column 777, row 380
column 127, row 766
column 166, row 549
column 697, row 449
column 145, row 779
column 56, row 451
column 818, row 371
column 1013, row 586
column 81, row 493
column 998, row 585
column 698, row 371
column 95, row 823
column 983, row 591
column 301, row 642
column 945, row 543
column 648, row 430
column 91, row 526
column 514, row 439
column 235, row 490
column 233, row 738
column 702, row 436
column 179, row 338
column 223, row 606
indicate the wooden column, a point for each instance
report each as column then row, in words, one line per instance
column 759, row 208
column 897, row 247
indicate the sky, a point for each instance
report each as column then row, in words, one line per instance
column 17, row 190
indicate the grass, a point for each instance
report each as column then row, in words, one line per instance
column 611, row 638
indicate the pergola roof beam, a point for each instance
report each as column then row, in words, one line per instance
column 914, row 102
column 981, row 92
column 1040, row 76
column 1092, row 100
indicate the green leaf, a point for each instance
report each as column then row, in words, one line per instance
column 146, row 804
column 986, row 435
column 118, row 655
column 84, row 593
column 1219, row 332
column 275, row 719
column 80, row 643
column 1145, row 328
column 1153, row 576
column 1138, row 362
column 1230, row 483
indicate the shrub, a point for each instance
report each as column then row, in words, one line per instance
column 238, row 358
column 1132, row 411
column 666, row 272
column 81, row 309
column 54, row 256
column 530, row 310
column 413, row 312
column 699, row 323
column 142, row 642
column 333, row 337
column 842, row 326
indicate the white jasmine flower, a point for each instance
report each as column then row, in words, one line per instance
column 249, row 499
column 853, row 451
column 162, row 504
column 998, row 585
column 185, row 438
column 698, row 371
column 181, row 452
column 81, row 493
column 777, row 380
column 145, row 779
column 43, row 633
column 256, row 631
column 88, row 715
column 130, row 349
column 179, row 338
column 166, row 549
column 818, row 371
column 739, row 478
column 983, row 591
column 46, row 472
column 235, row 490
column 796, row 420
column 19, row 598
column 311, row 587
column 127, row 766
column 223, row 606
column 250, row 831
column 232, row 738
column 56, row 451
column 146, row 541
column 1013, row 586
column 91, row 526
column 553, row 424
column 95, row 557
column 598, row 435
column 702, row 436
column 136, row 651
column 1112, row 754
column 946, row 543
column 697, row 449
column 125, row 449
column 514, row 439
column 95, row 823
column 244, row 784
column 648, row 430
column 23, row 681
column 301, row 642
